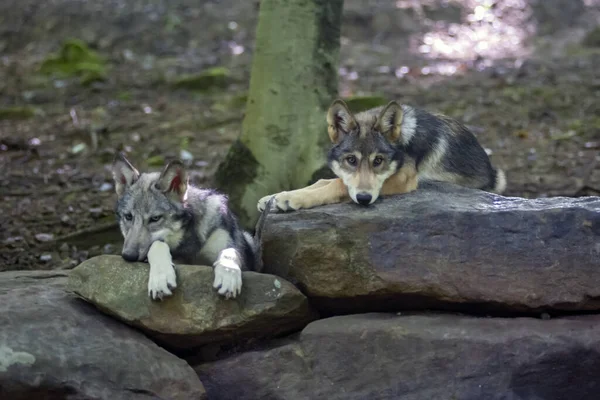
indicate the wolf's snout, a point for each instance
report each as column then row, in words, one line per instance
column 363, row 199
column 130, row 256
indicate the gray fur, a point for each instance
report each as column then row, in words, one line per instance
column 188, row 220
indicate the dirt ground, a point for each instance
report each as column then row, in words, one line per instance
column 522, row 74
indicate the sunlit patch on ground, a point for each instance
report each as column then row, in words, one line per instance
column 491, row 29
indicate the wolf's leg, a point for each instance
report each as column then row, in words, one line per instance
column 403, row 181
column 228, row 273
column 162, row 279
column 324, row 191
column 263, row 201
column 219, row 249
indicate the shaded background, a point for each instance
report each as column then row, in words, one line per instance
column 523, row 75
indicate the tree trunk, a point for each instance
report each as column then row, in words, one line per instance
column 293, row 81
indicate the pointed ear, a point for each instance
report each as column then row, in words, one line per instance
column 340, row 121
column 124, row 174
column 173, row 181
column 390, row 121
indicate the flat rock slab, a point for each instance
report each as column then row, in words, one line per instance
column 196, row 314
column 54, row 346
column 441, row 246
column 385, row 356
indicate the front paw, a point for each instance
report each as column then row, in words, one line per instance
column 284, row 201
column 162, row 281
column 228, row 279
column 262, row 203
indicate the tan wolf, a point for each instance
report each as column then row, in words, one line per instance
column 386, row 151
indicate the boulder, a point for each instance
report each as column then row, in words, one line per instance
column 443, row 247
column 386, row 356
column 54, row 346
column 196, row 314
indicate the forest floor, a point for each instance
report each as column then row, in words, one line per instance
column 522, row 75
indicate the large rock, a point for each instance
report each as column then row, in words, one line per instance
column 442, row 246
column 54, row 346
column 196, row 314
column 385, row 356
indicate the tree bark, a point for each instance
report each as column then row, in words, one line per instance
column 293, row 81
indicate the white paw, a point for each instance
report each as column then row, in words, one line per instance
column 283, row 201
column 162, row 279
column 262, row 203
column 228, row 275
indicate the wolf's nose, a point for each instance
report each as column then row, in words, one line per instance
column 129, row 256
column 363, row 198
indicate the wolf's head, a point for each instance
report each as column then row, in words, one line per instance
column 365, row 149
column 150, row 206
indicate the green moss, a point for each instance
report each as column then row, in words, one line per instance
column 15, row 113
column 592, row 39
column 124, row 96
column 155, row 161
column 362, row 103
column 235, row 173
column 75, row 59
column 213, row 78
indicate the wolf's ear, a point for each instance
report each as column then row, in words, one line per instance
column 124, row 174
column 390, row 121
column 340, row 121
column 173, row 181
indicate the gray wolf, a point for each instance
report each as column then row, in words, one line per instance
column 387, row 150
column 164, row 219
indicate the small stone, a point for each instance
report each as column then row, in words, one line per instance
column 186, row 156
column 46, row 257
column 78, row 148
column 44, row 237
column 13, row 239
column 96, row 212
column 105, row 187
column 65, row 219
column 545, row 316
column 108, row 248
column 64, row 248
column 277, row 284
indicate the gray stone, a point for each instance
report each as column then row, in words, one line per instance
column 196, row 314
column 385, row 356
column 443, row 247
column 54, row 346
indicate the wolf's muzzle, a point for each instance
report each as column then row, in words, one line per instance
column 130, row 256
column 364, row 199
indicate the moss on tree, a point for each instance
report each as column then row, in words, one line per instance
column 238, row 169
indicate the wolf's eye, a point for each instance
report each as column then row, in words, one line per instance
column 351, row 160
column 128, row 216
column 377, row 161
column 155, row 218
